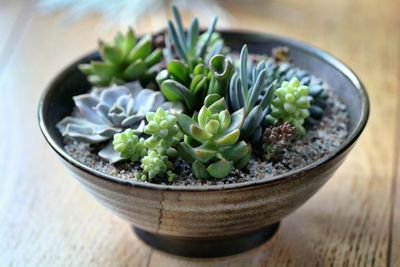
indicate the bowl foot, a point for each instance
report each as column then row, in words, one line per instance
column 207, row 248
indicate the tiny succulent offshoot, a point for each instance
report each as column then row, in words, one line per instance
column 191, row 99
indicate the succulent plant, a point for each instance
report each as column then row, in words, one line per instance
column 255, row 99
column 103, row 113
column 179, row 84
column 154, row 164
column 211, row 139
column 290, row 104
column 164, row 132
column 128, row 145
column 277, row 138
column 124, row 59
column 190, row 46
column 155, row 151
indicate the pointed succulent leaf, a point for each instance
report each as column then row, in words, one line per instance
column 228, row 138
column 199, row 134
column 86, row 69
column 210, row 30
column 112, row 54
column 153, row 58
column 142, row 49
column 236, row 120
column 252, row 121
column 135, row 70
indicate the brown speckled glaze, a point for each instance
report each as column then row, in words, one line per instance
column 197, row 214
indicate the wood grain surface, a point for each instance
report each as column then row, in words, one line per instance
column 46, row 218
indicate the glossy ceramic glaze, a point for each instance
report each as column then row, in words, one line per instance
column 173, row 218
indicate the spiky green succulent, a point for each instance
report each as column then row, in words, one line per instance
column 291, row 104
column 249, row 92
column 129, row 146
column 191, row 46
column 211, row 139
column 124, row 59
column 164, row 132
column 181, row 84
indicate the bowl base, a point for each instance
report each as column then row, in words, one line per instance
column 207, row 248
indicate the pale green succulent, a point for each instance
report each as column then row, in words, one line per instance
column 128, row 145
column 164, row 132
column 211, row 139
column 291, row 103
column 124, row 59
column 154, row 164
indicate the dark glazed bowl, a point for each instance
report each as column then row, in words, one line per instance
column 217, row 220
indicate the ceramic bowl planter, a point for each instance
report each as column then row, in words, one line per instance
column 208, row 221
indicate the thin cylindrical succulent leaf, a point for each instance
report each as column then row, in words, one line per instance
column 193, row 34
column 174, row 39
column 199, row 170
column 243, row 73
column 154, row 57
column 180, row 30
column 268, row 96
column 252, row 121
column 256, row 90
column 198, row 83
column 135, row 70
column 210, row 31
column 220, row 169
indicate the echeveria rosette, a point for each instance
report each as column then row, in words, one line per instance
column 180, row 84
column 248, row 91
column 129, row 145
column 103, row 113
column 123, row 60
column 291, row 104
column 211, row 143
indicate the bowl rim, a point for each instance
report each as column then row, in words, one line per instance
column 304, row 47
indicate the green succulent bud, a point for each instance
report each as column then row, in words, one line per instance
column 124, row 59
column 164, row 132
column 154, row 164
column 128, row 145
column 291, row 104
column 211, row 139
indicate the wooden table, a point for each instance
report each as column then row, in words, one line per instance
column 46, row 218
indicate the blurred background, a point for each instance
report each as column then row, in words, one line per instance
column 47, row 220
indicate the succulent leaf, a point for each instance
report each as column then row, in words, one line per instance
column 250, row 92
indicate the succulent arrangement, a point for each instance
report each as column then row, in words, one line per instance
column 207, row 108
